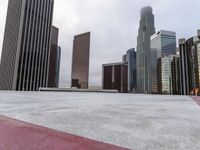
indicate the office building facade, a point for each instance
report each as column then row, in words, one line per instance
column 168, row 74
column 190, row 65
column 176, row 75
column 162, row 43
column 80, row 61
column 115, row 77
column 132, row 73
column 146, row 29
column 54, row 63
column 26, row 46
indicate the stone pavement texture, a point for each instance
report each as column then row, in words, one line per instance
column 138, row 122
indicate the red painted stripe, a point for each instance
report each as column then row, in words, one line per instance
column 196, row 99
column 18, row 135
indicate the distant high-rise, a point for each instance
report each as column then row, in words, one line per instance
column 162, row 43
column 124, row 58
column 176, row 75
column 168, row 74
column 145, row 31
column 132, row 79
column 80, row 61
column 115, row 77
column 54, row 63
column 26, row 46
column 190, row 65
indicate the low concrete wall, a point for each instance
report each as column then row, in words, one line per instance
column 76, row 90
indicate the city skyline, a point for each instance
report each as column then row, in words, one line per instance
column 109, row 42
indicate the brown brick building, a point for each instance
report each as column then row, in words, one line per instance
column 115, row 77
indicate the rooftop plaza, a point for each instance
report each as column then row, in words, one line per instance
column 138, row 122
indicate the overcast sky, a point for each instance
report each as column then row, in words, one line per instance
column 113, row 25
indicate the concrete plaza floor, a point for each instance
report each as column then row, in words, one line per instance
column 138, row 122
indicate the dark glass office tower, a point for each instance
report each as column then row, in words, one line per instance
column 26, row 46
column 190, row 65
column 184, row 70
column 176, row 75
column 132, row 79
column 54, row 63
column 80, row 61
column 145, row 31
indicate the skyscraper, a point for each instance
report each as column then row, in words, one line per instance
column 132, row 79
column 162, row 43
column 145, row 31
column 26, row 46
column 80, row 61
column 190, row 65
column 168, row 74
column 176, row 75
column 54, row 63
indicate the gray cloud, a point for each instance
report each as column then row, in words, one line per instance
column 113, row 25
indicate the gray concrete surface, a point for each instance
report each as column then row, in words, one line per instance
column 138, row 122
column 77, row 90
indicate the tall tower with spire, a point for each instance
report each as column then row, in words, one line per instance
column 146, row 29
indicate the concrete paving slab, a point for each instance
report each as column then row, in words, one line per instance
column 139, row 122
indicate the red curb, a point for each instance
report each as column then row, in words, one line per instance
column 196, row 99
column 18, row 135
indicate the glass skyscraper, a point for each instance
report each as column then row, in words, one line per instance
column 26, row 46
column 162, row 43
column 132, row 79
column 146, row 29
column 168, row 74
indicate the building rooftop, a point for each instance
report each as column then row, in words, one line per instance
column 115, row 64
column 146, row 10
column 137, row 122
column 163, row 32
column 82, row 35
